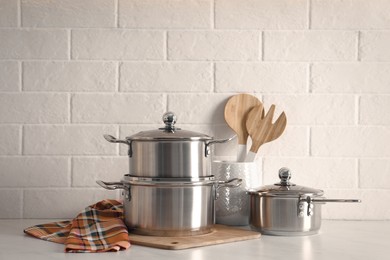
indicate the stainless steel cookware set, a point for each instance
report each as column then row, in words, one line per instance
column 169, row 190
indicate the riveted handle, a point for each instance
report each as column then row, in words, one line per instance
column 311, row 201
column 232, row 183
column 112, row 139
column 217, row 141
column 110, row 185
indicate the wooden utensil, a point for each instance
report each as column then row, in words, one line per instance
column 262, row 130
column 236, row 113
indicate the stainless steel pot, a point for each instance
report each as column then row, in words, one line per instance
column 169, row 152
column 178, row 207
column 287, row 209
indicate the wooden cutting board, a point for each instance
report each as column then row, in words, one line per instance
column 220, row 235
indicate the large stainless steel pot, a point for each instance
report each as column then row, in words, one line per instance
column 287, row 209
column 174, row 207
column 169, row 152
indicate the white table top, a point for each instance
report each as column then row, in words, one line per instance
column 337, row 240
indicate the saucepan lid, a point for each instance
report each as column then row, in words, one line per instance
column 285, row 187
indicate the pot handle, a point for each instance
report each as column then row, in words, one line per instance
column 110, row 185
column 324, row 200
column 112, row 139
column 232, row 183
column 217, row 141
column 310, row 201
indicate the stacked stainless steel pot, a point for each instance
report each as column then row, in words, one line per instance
column 169, row 190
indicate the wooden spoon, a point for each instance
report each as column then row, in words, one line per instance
column 236, row 113
column 262, row 130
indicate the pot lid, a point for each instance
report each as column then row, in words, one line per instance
column 169, row 132
column 167, row 182
column 285, row 187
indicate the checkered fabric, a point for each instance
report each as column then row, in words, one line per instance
column 99, row 228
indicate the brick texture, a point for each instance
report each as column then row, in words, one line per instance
column 350, row 141
column 314, row 109
column 310, row 45
column 356, row 77
column 380, row 167
column 98, row 44
column 261, row 14
column 69, row 76
column 321, row 173
column 10, row 139
column 35, row 172
column 9, row 76
column 42, row 44
column 374, row 46
column 261, row 77
column 67, row 140
column 347, row 14
column 68, row 13
column 73, row 201
column 213, row 45
column 86, row 171
column 167, row 77
column 374, row 110
column 8, row 13
column 116, row 108
column 12, row 201
column 174, row 14
column 34, row 108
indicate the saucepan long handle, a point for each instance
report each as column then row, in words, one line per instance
column 324, row 200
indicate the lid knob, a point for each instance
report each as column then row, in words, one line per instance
column 169, row 119
column 285, row 176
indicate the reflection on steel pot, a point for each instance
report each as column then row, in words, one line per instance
column 287, row 209
column 174, row 207
column 169, row 152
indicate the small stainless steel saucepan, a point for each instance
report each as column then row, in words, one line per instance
column 287, row 209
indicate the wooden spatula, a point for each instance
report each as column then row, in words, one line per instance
column 262, row 130
column 236, row 113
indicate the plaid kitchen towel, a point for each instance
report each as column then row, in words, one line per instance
column 99, row 228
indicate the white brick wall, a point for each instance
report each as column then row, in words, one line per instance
column 166, row 77
column 71, row 71
column 213, row 45
column 310, row 45
column 60, row 76
column 190, row 14
column 22, row 43
column 117, row 44
column 68, row 13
